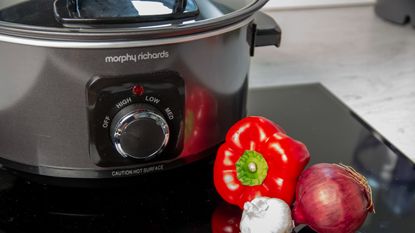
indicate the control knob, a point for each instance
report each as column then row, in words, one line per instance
column 139, row 131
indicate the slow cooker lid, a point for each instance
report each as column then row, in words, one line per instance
column 86, row 16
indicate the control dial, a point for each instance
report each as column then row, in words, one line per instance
column 139, row 131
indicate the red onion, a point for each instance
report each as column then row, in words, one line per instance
column 332, row 198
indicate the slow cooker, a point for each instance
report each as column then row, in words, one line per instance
column 94, row 89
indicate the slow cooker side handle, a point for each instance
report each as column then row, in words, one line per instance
column 265, row 32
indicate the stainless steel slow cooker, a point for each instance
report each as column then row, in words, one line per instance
column 117, row 88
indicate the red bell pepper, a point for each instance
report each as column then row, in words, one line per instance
column 258, row 159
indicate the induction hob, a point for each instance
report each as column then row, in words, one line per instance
column 184, row 200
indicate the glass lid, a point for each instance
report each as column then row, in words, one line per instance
column 67, row 15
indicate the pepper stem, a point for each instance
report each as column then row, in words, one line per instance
column 251, row 168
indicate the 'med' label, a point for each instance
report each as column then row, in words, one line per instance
column 136, row 57
column 138, row 171
column 169, row 113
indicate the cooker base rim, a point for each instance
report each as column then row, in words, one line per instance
column 81, row 177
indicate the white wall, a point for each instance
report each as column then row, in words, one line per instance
column 281, row 4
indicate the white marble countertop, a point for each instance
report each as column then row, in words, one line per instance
column 368, row 63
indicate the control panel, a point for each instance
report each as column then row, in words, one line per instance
column 135, row 119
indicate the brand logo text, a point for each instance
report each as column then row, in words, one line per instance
column 136, row 57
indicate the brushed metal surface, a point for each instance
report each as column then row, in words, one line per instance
column 43, row 110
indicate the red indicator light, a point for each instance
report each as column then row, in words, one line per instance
column 138, row 90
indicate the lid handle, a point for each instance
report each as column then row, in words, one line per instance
column 122, row 11
column 180, row 5
column 265, row 32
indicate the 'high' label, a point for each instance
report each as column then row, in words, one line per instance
column 124, row 102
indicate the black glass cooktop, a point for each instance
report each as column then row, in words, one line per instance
column 184, row 200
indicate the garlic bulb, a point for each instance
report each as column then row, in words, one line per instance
column 266, row 215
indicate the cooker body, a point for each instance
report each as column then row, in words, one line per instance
column 63, row 110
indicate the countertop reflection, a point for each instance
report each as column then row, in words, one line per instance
column 184, row 200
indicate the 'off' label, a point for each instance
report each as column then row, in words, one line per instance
column 106, row 122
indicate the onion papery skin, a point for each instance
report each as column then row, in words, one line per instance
column 332, row 198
